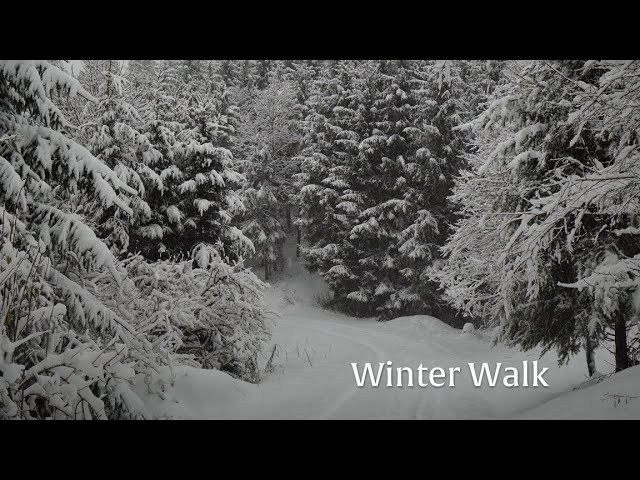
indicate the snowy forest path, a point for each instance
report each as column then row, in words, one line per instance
column 311, row 374
column 322, row 377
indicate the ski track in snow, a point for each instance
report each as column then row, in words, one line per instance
column 349, row 393
column 429, row 342
column 314, row 379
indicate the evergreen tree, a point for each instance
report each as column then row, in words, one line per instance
column 247, row 74
column 64, row 353
column 109, row 135
column 547, row 217
column 158, row 98
column 263, row 72
column 378, row 164
column 479, row 79
column 209, row 198
column 229, row 71
column 328, row 208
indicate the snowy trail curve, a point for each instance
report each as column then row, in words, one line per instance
column 313, row 377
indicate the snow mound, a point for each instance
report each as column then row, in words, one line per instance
column 198, row 393
column 419, row 326
column 616, row 397
column 468, row 328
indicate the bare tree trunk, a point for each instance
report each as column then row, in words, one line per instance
column 266, row 269
column 299, row 237
column 279, row 263
column 622, row 353
column 591, row 355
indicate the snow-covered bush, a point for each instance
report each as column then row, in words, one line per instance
column 212, row 313
column 63, row 354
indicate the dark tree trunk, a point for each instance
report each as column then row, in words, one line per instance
column 591, row 355
column 298, row 241
column 288, row 217
column 279, row 263
column 622, row 353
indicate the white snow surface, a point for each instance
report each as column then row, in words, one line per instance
column 313, row 378
column 614, row 398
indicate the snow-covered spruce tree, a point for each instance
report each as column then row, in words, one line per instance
column 210, row 311
column 142, row 73
column 246, row 74
column 432, row 158
column 305, row 73
column 109, row 134
column 412, row 155
column 263, row 69
column 333, row 129
column 229, row 71
column 156, row 91
column 63, row 352
column 480, row 78
column 548, row 245
column 267, row 142
column 380, row 206
column 264, row 219
column 209, row 198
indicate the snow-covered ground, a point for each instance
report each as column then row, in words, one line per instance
column 615, row 398
column 313, row 377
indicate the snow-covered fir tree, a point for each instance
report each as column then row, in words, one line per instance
column 63, row 352
column 108, row 131
column 376, row 174
column 332, row 133
column 210, row 183
column 547, row 246
column 156, row 92
column 229, row 71
column 479, row 79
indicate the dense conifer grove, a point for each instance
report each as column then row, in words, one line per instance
column 144, row 206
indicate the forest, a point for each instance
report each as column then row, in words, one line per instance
column 145, row 205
